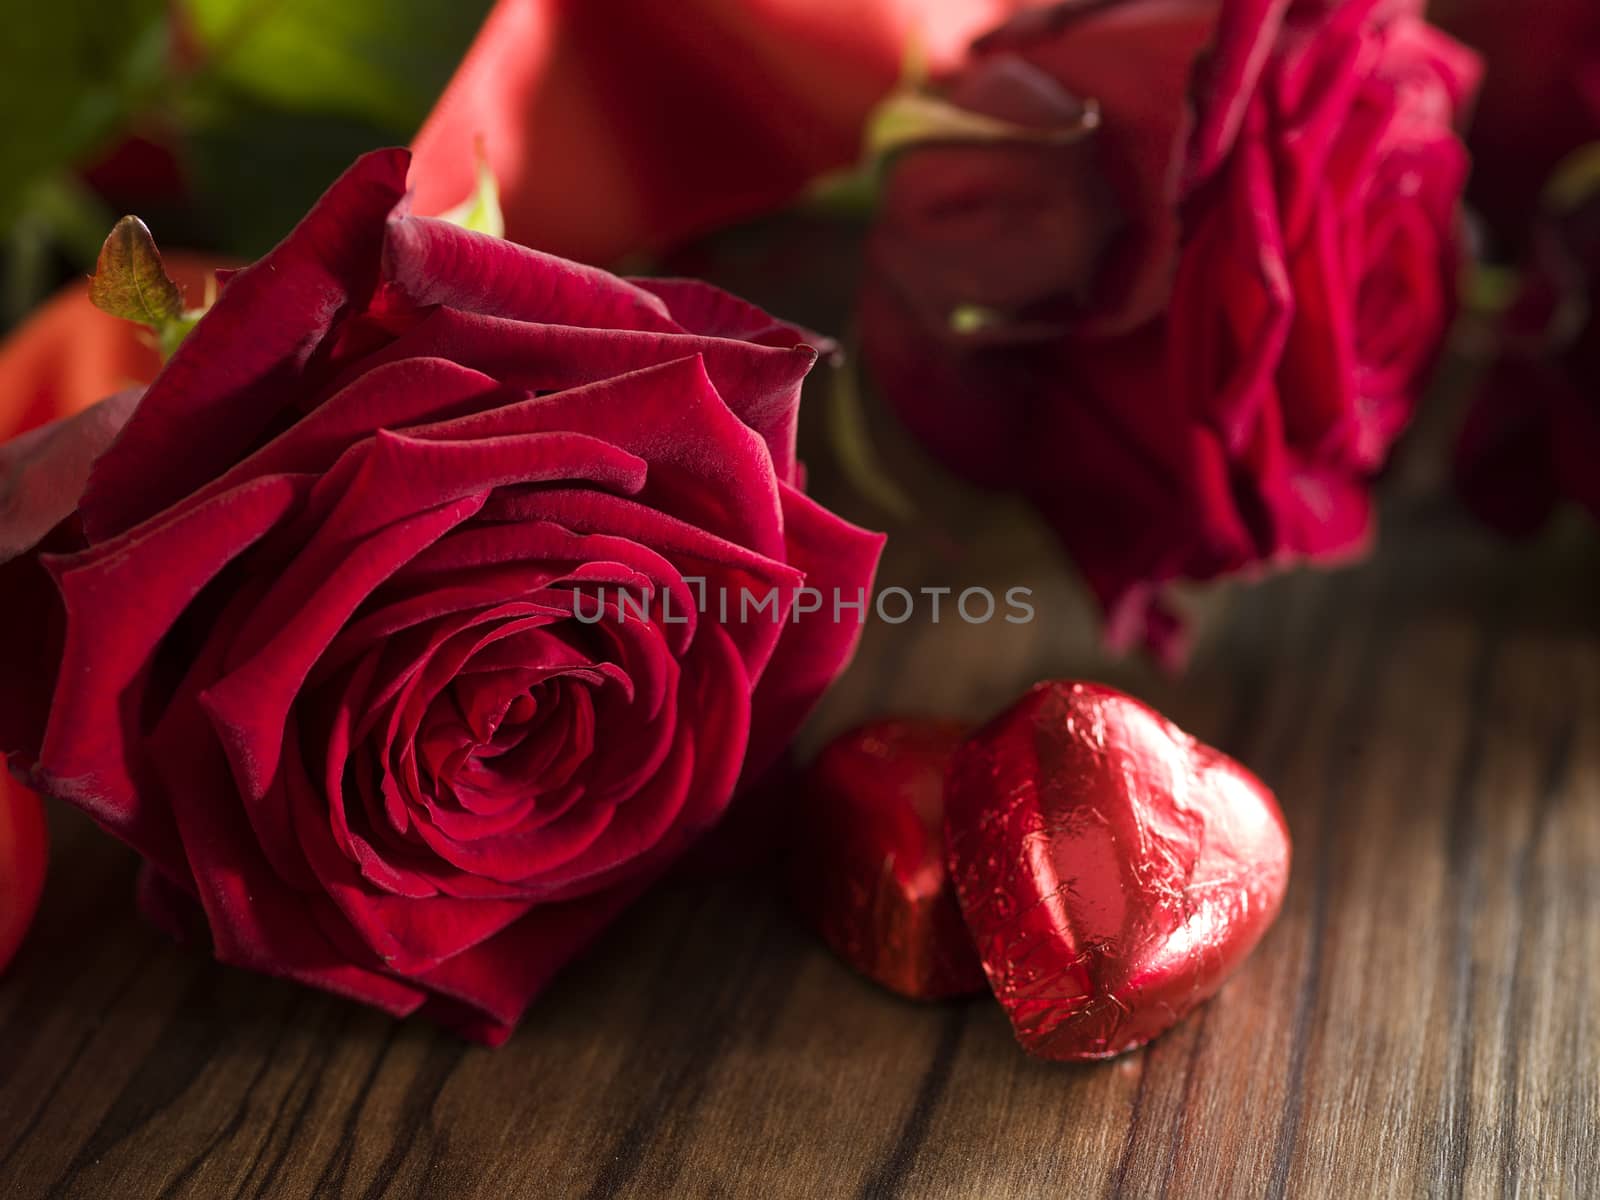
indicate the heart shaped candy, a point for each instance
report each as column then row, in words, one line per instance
column 870, row 873
column 1112, row 870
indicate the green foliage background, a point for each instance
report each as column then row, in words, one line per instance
column 262, row 101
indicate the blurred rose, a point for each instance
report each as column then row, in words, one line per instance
column 139, row 174
column 23, row 851
column 617, row 126
column 69, row 354
column 1192, row 335
column 1540, row 100
column 1533, row 437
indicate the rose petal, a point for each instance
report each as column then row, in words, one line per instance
column 43, row 472
column 90, row 754
column 437, row 262
column 839, row 561
column 223, row 388
column 761, row 383
column 256, row 920
column 249, row 703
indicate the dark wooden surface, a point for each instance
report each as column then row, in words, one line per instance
column 1423, row 1020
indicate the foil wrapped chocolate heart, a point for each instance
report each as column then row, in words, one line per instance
column 869, row 874
column 1113, row 871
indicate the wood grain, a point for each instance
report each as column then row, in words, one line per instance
column 1423, row 1020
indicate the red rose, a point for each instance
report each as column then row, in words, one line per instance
column 667, row 120
column 317, row 614
column 140, row 174
column 1192, row 334
column 1532, row 439
column 1540, row 101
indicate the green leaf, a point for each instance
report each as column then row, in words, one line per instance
column 968, row 319
column 1575, row 182
column 480, row 212
column 378, row 60
column 850, row 194
column 170, row 336
column 1491, row 290
column 854, row 449
column 911, row 118
column 130, row 281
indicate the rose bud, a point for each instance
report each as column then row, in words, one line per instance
column 869, row 872
column 667, row 121
column 1113, row 871
column 377, row 630
column 1251, row 269
column 1540, row 100
column 1532, row 437
column 24, row 850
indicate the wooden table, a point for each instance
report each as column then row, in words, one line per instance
column 1424, row 1018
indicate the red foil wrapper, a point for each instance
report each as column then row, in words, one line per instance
column 1112, row 870
column 870, row 873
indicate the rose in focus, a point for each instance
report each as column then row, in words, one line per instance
column 1186, row 289
column 1532, row 438
column 308, row 642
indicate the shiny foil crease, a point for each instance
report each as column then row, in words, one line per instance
column 1112, row 870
